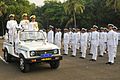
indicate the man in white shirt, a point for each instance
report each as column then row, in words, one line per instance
column 60, row 38
column 12, row 28
column 70, row 36
column 24, row 24
column 116, row 40
column 56, row 37
column 74, row 42
column 33, row 25
column 111, row 43
column 78, row 38
column 50, row 36
column 66, row 41
column 94, row 43
column 83, row 42
column 102, row 41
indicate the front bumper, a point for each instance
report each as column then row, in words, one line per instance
column 39, row 60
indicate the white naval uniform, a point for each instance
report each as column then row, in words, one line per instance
column 105, row 46
column 70, row 36
column 89, row 40
column 111, row 43
column 102, row 44
column 94, row 44
column 59, row 39
column 74, row 43
column 116, row 40
column 56, row 38
column 83, row 43
column 33, row 26
column 66, row 42
column 12, row 30
column 50, row 36
column 78, row 40
column 24, row 24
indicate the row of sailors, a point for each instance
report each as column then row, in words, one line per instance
column 94, row 39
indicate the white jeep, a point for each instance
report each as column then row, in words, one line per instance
column 32, row 47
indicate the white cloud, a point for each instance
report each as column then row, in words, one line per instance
column 40, row 2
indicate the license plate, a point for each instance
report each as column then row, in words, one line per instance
column 46, row 55
column 45, row 59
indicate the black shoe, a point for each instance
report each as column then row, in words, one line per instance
column 73, row 56
column 114, row 57
column 82, row 57
column 92, row 60
column 108, row 63
column 90, row 54
column 100, row 56
column 111, row 63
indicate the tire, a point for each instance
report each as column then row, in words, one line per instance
column 54, row 64
column 24, row 67
column 7, row 56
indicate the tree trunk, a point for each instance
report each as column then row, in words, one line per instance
column 74, row 20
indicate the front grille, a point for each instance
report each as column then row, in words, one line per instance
column 38, row 53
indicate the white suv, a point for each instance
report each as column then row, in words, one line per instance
column 32, row 47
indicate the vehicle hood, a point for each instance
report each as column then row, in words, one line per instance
column 38, row 45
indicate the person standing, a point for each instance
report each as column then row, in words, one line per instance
column 66, row 41
column 12, row 28
column 116, row 40
column 102, row 41
column 33, row 25
column 111, row 43
column 70, row 36
column 83, row 42
column 56, row 37
column 74, row 42
column 60, row 38
column 50, row 36
column 94, row 43
column 24, row 24
column 78, row 38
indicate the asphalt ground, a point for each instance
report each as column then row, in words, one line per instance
column 71, row 68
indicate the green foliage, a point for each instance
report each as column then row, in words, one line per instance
column 83, row 13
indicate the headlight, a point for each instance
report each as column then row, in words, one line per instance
column 55, row 51
column 32, row 53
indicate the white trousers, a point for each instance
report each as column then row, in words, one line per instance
column 78, row 45
column 58, row 44
column 102, row 49
column 94, row 51
column 111, row 53
column 74, row 47
column 65, row 48
column 83, row 49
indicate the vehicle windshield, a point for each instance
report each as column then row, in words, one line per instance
column 31, row 36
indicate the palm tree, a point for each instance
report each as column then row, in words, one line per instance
column 2, row 8
column 73, row 7
column 115, row 4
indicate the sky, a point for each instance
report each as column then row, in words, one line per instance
column 40, row 2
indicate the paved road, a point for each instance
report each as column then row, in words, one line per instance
column 70, row 69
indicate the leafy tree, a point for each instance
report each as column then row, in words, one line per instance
column 73, row 7
column 115, row 4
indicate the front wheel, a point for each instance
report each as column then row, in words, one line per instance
column 7, row 56
column 24, row 67
column 54, row 64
